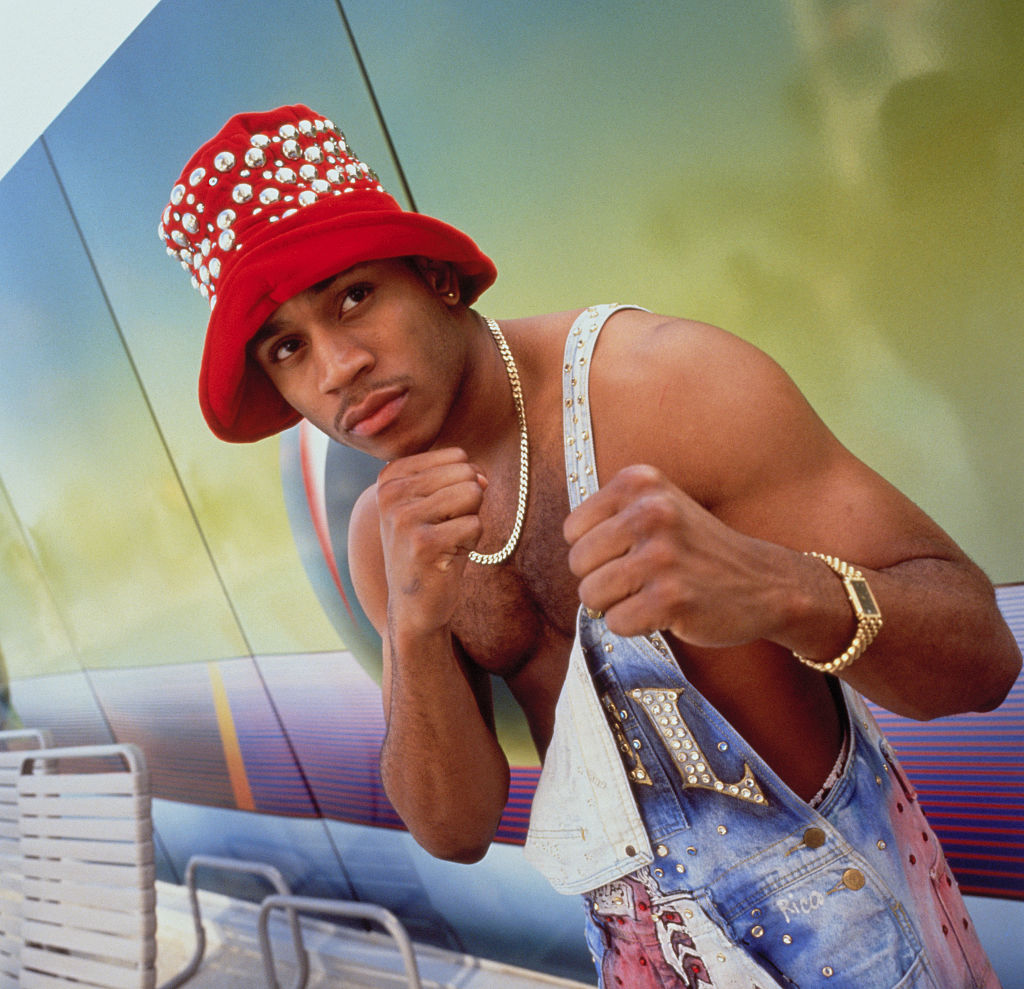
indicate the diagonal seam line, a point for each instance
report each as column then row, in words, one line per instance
column 145, row 396
column 376, row 106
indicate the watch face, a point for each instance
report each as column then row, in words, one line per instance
column 865, row 598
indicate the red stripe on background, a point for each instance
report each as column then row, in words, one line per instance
column 316, row 513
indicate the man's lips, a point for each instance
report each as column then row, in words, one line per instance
column 375, row 412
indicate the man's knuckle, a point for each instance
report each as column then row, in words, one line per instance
column 659, row 510
column 641, row 475
column 472, row 495
column 661, row 553
column 405, row 514
column 421, row 541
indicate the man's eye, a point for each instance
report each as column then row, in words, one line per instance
column 282, row 350
column 355, row 295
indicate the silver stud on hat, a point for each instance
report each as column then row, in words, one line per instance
column 260, row 191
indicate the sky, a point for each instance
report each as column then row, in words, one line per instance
column 49, row 49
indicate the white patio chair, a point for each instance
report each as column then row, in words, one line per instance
column 86, row 844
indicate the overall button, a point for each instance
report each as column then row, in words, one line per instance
column 852, row 879
column 814, row 838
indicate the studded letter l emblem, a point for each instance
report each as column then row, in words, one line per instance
column 660, row 705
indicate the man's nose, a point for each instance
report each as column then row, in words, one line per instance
column 340, row 362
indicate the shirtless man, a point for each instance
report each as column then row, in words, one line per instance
column 717, row 481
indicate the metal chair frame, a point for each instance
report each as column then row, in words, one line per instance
column 339, row 908
column 271, row 875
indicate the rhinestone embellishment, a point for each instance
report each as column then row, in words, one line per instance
column 266, row 178
column 693, row 766
column 637, row 770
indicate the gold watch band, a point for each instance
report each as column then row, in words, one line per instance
column 865, row 609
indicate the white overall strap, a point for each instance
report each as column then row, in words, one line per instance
column 580, row 460
column 585, row 829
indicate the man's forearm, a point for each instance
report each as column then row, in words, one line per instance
column 944, row 648
column 441, row 764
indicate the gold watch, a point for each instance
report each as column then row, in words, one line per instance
column 865, row 609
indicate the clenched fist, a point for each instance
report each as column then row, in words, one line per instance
column 650, row 557
column 429, row 508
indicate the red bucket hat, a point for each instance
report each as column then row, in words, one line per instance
column 271, row 205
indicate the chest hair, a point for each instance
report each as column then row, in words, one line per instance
column 513, row 611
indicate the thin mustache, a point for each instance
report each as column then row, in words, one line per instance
column 365, row 391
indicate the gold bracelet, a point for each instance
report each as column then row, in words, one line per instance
column 865, row 608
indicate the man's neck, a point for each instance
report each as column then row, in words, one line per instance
column 482, row 420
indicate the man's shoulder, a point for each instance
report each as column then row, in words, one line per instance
column 640, row 347
column 658, row 363
column 364, row 524
column 708, row 408
column 635, row 327
column 644, row 339
column 366, row 556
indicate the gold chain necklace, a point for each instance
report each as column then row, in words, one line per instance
column 524, row 452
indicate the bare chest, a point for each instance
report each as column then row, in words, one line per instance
column 515, row 612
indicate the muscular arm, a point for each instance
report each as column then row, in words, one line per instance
column 707, row 541
column 441, row 764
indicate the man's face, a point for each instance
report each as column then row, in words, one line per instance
column 371, row 356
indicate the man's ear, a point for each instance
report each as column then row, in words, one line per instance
column 442, row 278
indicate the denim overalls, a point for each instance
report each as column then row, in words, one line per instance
column 699, row 866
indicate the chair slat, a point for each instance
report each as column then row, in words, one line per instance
column 91, row 873
column 127, row 923
column 114, row 949
column 74, row 967
column 128, row 898
column 129, row 853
